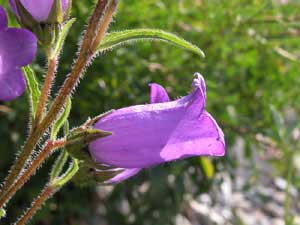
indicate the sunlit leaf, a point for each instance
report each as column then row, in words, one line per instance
column 116, row 39
column 32, row 89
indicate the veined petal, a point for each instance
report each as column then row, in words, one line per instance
column 126, row 174
column 140, row 133
column 158, row 94
column 17, row 48
column 12, row 84
column 3, row 19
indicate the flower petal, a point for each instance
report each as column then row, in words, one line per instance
column 3, row 19
column 158, row 94
column 17, row 47
column 141, row 133
column 195, row 137
column 39, row 9
column 32, row 6
column 12, row 84
column 126, row 174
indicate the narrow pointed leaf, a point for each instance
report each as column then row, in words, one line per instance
column 59, row 164
column 62, row 119
column 61, row 159
column 116, row 39
column 62, row 37
column 67, row 176
column 32, row 89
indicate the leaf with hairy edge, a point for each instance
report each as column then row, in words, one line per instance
column 62, row 119
column 62, row 37
column 68, row 175
column 116, row 39
column 33, row 89
column 61, row 159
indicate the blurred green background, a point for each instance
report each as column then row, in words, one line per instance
column 252, row 73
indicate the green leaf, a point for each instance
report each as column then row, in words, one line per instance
column 59, row 164
column 2, row 213
column 62, row 119
column 116, row 39
column 207, row 167
column 62, row 37
column 67, row 176
column 32, row 89
column 61, row 159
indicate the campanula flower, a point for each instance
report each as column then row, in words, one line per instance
column 38, row 9
column 163, row 131
column 42, row 17
column 17, row 49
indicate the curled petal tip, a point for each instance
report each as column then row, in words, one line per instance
column 199, row 82
column 158, row 94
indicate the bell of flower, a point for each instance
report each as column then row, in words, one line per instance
column 43, row 18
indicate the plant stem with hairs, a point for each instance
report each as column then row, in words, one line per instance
column 50, row 189
column 49, row 148
column 47, row 193
column 82, row 61
column 52, row 63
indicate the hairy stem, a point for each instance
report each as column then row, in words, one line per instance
column 52, row 63
column 47, row 193
column 85, row 55
column 106, row 20
column 35, row 164
column 70, row 83
column 50, row 189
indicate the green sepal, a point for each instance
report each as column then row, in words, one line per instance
column 68, row 10
column 46, row 31
column 89, row 176
column 79, row 138
column 25, row 18
column 62, row 37
column 56, row 14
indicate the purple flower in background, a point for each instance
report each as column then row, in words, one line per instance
column 17, row 49
column 39, row 9
column 163, row 131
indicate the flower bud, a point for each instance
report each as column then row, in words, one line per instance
column 43, row 18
